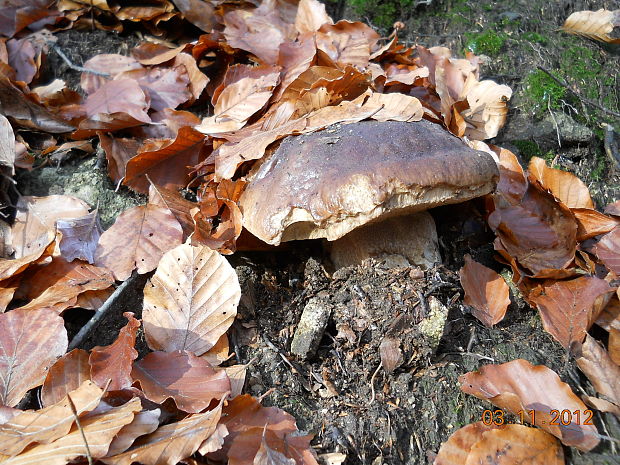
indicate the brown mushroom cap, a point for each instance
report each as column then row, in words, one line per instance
column 326, row 183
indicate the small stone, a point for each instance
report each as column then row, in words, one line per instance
column 311, row 327
column 433, row 325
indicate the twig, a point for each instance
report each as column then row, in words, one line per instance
column 577, row 94
column 77, row 422
column 372, row 384
column 73, row 66
column 611, row 148
column 83, row 334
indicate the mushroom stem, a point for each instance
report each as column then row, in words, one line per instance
column 409, row 239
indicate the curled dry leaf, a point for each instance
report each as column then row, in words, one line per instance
column 591, row 223
column 137, row 240
column 98, row 429
column 487, row 110
column 347, row 43
column 167, row 166
column 569, row 308
column 166, row 87
column 111, row 365
column 602, row 25
column 198, row 12
column 190, row 301
column 485, row 291
column 23, row 57
column 110, row 63
column 600, row 369
column 608, row 250
column 48, row 424
column 172, row 442
column 178, row 206
column 118, row 151
column 80, row 236
column 311, row 16
column 519, row 386
column 181, row 376
column 143, row 422
column 264, row 446
column 118, row 96
column 565, row 186
column 30, row 342
column 66, row 375
column 501, row 445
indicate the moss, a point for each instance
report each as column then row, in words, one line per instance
column 527, row 148
column 488, row 42
column 599, row 171
column 542, row 92
column 534, row 37
column 382, row 13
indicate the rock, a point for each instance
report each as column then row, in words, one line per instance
column 433, row 325
column 545, row 132
column 311, row 327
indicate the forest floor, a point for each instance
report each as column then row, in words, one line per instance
column 339, row 393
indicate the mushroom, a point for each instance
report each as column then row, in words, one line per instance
column 365, row 186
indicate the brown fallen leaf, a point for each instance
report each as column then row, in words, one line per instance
column 7, row 291
column 181, row 376
column 488, row 109
column 143, row 422
column 118, row 151
column 200, row 13
column 172, row 442
column 30, row 342
column 80, row 236
column 591, row 223
column 532, row 392
column 190, row 301
column 48, row 424
column 569, row 308
column 563, row 185
column 7, row 146
column 149, row 53
column 613, row 208
column 137, row 240
column 110, row 63
column 311, row 16
column 456, row 449
column 264, row 446
column 97, row 429
column 600, row 369
column 613, row 345
column 66, row 374
column 485, row 291
column 602, row 25
column 607, row 249
column 121, row 95
column 167, row 166
column 609, row 317
column 57, row 285
column 23, row 58
column 347, row 43
column 166, row 87
column 110, row 366
column 178, row 206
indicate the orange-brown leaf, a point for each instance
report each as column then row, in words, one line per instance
column 137, row 240
column 264, row 446
column 110, row 63
column 111, row 365
column 66, row 375
column 485, row 291
column 190, row 301
column 591, row 223
column 563, row 185
column 311, row 16
column 121, row 95
column 347, row 43
column 30, row 342
column 607, row 250
column 602, row 25
column 458, row 446
column 519, row 386
column 181, row 376
column 600, row 369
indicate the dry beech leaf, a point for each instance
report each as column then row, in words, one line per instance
column 198, row 12
column 610, row 316
column 311, row 16
column 57, row 285
column 613, row 345
column 122, row 95
column 80, row 236
column 30, row 342
column 487, row 110
column 347, row 43
column 563, row 185
column 395, row 107
column 591, row 223
column 190, row 301
column 514, row 444
column 137, row 240
column 456, row 449
column 66, row 375
column 613, row 208
column 118, row 151
column 178, row 206
column 197, row 79
column 103, row 122
column 7, row 146
column 149, row 53
column 181, row 376
column 569, row 308
column 172, row 442
column 219, row 353
column 602, row 25
column 236, row 375
column 294, row 59
column 42, row 248
column 111, row 365
column 288, row 449
column 144, row 422
column 167, row 166
column 485, row 291
column 7, row 291
column 166, row 87
column 14, row 104
column 600, row 369
column 519, row 386
column 48, row 424
column 110, row 63
column 99, row 429
column 607, row 250
column 22, row 55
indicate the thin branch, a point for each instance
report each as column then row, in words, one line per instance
column 73, row 66
column 578, row 95
column 89, row 456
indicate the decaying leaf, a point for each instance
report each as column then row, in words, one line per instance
column 523, row 388
column 485, row 291
column 603, row 25
column 608, row 250
column 189, row 380
column 137, row 240
column 600, row 369
column 66, row 375
column 190, row 301
column 80, row 236
column 569, row 308
column 30, row 342
column 111, row 365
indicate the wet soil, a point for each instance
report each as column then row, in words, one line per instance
column 341, row 393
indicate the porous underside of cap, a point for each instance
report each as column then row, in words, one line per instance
column 327, row 183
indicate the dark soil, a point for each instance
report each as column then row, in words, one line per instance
column 339, row 394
